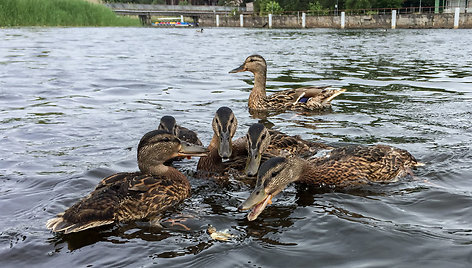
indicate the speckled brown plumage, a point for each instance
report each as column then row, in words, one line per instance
column 310, row 98
column 355, row 164
column 125, row 197
column 284, row 145
column 342, row 167
column 143, row 195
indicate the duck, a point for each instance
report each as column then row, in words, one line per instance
column 348, row 166
column 130, row 196
column 221, row 146
column 310, row 98
column 245, row 154
column 263, row 143
column 169, row 124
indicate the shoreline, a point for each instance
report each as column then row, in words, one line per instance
column 384, row 21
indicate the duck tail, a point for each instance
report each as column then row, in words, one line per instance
column 335, row 92
column 59, row 224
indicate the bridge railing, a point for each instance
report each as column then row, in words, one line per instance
column 184, row 8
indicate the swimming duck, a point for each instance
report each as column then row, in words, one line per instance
column 221, row 145
column 266, row 143
column 142, row 195
column 304, row 98
column 169, row 124
column 342, row 167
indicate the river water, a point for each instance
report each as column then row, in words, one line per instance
column 74, row 103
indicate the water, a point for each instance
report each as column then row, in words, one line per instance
column 74, row 103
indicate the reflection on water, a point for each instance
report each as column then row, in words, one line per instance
column 74, row 103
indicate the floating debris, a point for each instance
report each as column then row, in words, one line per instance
column 220, row 236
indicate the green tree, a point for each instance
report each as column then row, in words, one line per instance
column 388, row 3
column 315, row 8
column 358, row 4
column 273, row 7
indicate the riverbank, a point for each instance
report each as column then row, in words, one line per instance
column 59, row 13
column 416, row 21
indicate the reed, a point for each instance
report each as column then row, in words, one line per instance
column 59, row 13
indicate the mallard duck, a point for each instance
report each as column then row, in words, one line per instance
column 221, row 145
column 266, row 143
column 341, row 167
column 169, row 124
column 247, row 152
column 142, row 195
column 304, row 98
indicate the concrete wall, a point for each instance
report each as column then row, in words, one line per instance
column 352, row 21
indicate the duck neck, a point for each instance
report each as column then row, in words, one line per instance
column 258, row 93
column 212, row 162
column 159, row 169
column 309, row 174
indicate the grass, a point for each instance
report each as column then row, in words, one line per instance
column 59, row 13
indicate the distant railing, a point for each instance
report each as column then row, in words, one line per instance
column 375, row 11
column 184, row 8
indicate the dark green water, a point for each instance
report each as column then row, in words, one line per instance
column 74, row 103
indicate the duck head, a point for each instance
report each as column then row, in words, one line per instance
column 159, row 146
column 169, row 124
column 258, row 140
column 254, row 64
column 224, row 126
column 274, row 175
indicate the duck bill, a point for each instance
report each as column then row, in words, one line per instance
column 188, row 149
column 225, row 146
column 239, row 69
column 253, row 162
column 257, row 202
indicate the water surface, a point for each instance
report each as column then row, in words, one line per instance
column 74, row 103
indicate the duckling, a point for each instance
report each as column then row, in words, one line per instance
column 299, row 99
column 142, row 195
column 342, row 167
column 169, row 124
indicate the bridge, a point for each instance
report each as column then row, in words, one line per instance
column 144, row 12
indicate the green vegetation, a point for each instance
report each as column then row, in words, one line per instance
column 59, row 13
column 271, row 7
column 315, row 8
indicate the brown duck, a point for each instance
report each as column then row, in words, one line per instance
column 300, row 99
column 262, row 144
column 341, row 167
column 221, row 146
column 142, row 195
column 169, row 124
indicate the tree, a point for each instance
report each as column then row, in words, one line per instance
column 358, row 4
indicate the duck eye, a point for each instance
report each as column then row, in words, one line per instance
column 275, row 173
column 263, row 136
column 258, row 192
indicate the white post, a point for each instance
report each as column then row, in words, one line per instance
column 343, row 19
column 241, row 20
column 456, row 18
column 394, row 19
column 181, row 18
column 217, row 20
column 270, row 20
column 303, row 20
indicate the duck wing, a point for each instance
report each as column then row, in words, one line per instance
column 357, row 164
column 305, row 98
column 121, row 197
